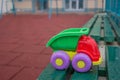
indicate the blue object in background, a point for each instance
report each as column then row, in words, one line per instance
column 1, row 8
column 33, row 6
column 57, row 7
column 43, row 4
column 118, row 12
column 14, row 10
column 50, row 10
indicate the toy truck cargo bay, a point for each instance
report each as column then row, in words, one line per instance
column 76, row 47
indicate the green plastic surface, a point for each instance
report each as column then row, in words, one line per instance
column 67, row 39
column 91, row 75
column 96, row 30
column 109, row 35
column 50, row 73
column 113, row 63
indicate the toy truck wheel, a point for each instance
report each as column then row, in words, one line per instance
column 81, row 62
column 60, row 60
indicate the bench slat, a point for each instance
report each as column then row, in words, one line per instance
column 96, row 30
column 90, row 23
column 109, row 36
column 116, row 28
column 51, row 73
column 91, row 75
column 113, row 63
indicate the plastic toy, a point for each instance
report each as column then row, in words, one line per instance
column 75, row 47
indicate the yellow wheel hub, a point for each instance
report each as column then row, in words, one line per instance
column 81, row 64
column 59, row 62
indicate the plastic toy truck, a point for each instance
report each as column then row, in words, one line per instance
column 74, row 46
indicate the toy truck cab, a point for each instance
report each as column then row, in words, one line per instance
column 88, row 46
column 74, row 46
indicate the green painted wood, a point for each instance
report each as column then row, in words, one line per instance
column 102, row 71
column 113, row 63
column 50, row 73
column 91, row 75
column 116, row 29
column 109, row 35
column 91, row 22
column 96, row 30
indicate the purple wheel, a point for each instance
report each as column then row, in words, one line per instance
column 81, row 62
column 60, row 60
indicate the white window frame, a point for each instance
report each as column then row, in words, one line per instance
column 77, row 6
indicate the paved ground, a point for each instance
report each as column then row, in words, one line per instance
column 23, row 54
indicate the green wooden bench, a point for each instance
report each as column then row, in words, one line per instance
column 109, row 35
column 103, row 23
column 116, row 29
column 96, row 30
column 113, row 63
column 49, row 73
